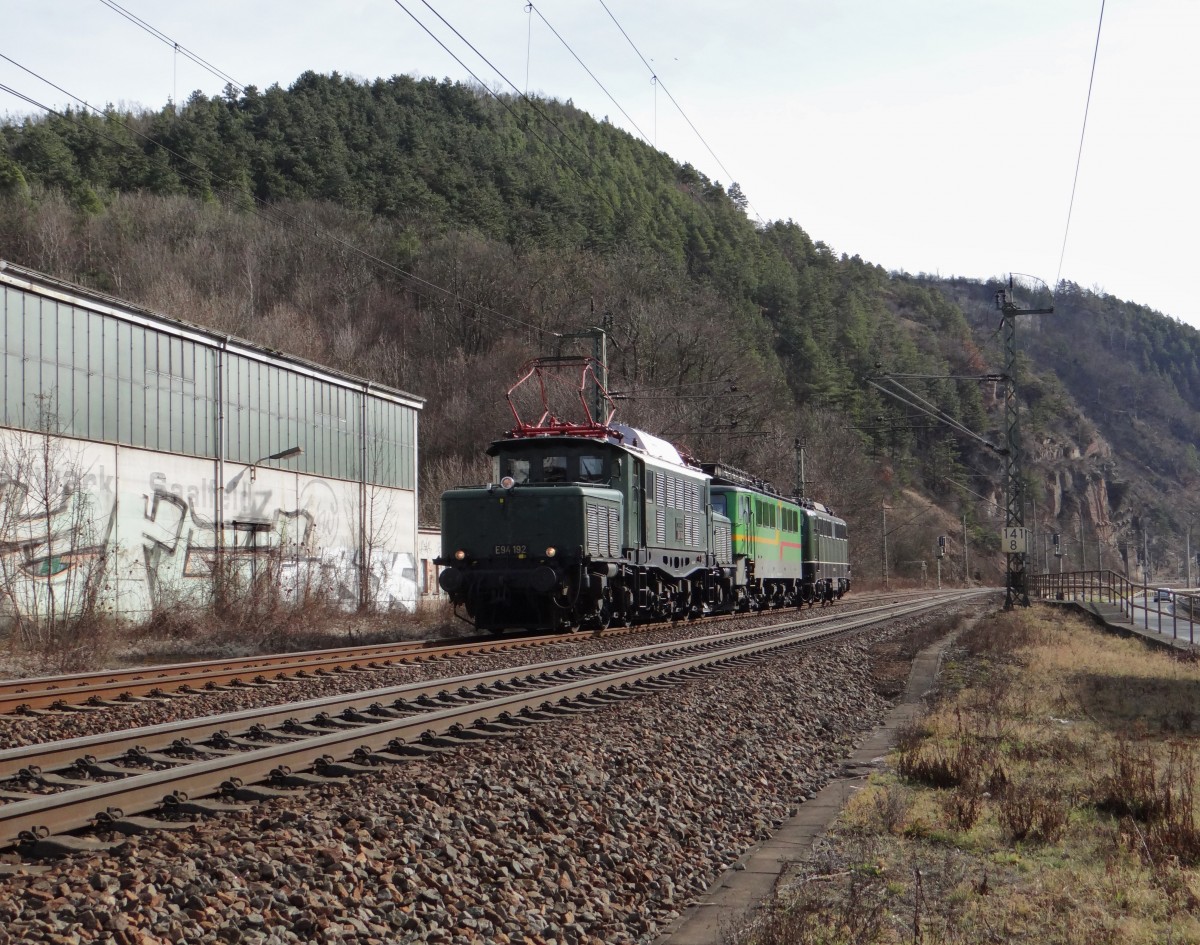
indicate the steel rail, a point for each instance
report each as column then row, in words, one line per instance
column 17, row 696
column 64, row 752
column 81, row 806
column 48, row 692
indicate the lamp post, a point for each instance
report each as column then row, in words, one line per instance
column 233, row 484
column 253, row 467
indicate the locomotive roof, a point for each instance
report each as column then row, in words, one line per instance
column 617, row 434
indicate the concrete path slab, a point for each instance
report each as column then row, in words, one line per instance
column 751, row 882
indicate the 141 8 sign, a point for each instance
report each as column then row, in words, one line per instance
column 1014, row 541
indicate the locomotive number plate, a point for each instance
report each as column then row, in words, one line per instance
column 512, row 549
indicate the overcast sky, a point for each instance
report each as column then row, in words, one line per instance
column 931, row 136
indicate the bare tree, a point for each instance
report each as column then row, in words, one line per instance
column 53, row 550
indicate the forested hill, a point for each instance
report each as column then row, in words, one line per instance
column 432, row 237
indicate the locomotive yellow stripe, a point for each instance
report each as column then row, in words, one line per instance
column 742, row 536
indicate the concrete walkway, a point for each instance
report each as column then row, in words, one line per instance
column 749, row 885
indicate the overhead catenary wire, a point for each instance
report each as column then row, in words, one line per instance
column 267, row 211
column 182, row 50
column 1079, row 156
column 567, row 46
column 921, row 406
column 659, row 82
column 512, row 111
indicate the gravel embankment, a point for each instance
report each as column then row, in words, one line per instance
column 596, row 829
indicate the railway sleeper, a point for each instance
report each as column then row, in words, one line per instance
column 106, row 769
column 146, row 759
column 222, row 744
column 283, row 776
column 337, row 723
column 405, row 752
column 328, row 767
column 376, row 758
column 358, row 718
column 507, row 726
column 379, row 711
column 180, row 803
column 53, row 848
column 296, row 729
column 445, row 740
column 114, row 820
column 50, row 779
column 235, row 789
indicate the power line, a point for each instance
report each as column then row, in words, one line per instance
column 263, row 209
column 588, row 71
column 567, row 164
column 1079, row 156
column 164, row 38
column 658, row 80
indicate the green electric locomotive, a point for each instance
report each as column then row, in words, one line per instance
column 584, row 526
column 786, row 551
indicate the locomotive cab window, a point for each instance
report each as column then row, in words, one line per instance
column 554, row 468
column 517, row 468
column 591, row 468
column 718, row 503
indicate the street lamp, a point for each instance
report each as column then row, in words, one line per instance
column 253, row 467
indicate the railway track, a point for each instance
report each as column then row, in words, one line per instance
column 55, row 693
column 107, row 779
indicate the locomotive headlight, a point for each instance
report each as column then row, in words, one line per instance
column 459, row 555
column 507, row 482
column 551, row 551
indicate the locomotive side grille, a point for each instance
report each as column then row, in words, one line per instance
column 662, row 526
column 722, row 543
column 603, row 532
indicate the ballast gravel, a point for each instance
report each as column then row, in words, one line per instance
column 597, row 828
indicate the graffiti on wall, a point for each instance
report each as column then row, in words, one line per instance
column 162, row 547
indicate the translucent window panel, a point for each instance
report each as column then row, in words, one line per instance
column 13, row 323
column 125, row 410
column 14, row 389
column 64, row 350
column 137, row 357
column 95, row 407
column 293, row 435
column 145, row 393
column 30, row 314
column 177, row 441
column 158, row 353
column 122, row 355
column 81, row 329
column 112, row 424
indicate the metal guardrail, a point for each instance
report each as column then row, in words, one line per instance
column 1134, row 599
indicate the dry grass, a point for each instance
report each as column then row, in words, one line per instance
column 245, row 626
column 1048, row 796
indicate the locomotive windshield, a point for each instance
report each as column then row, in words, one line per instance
column 555, row 462
column 718, row 503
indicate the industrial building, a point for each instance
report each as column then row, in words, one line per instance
column 145, row 463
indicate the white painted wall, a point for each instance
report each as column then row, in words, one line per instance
column 148, row 522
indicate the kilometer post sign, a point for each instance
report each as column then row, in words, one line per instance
column 1014, row 541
